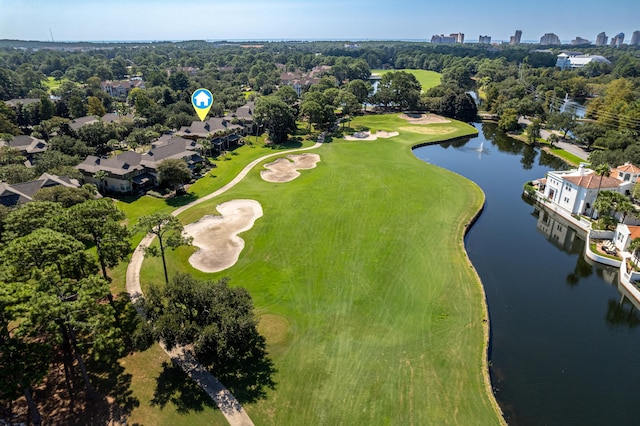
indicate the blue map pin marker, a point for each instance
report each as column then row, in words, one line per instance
column 202, row 99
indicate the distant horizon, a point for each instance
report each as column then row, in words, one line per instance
column 159, row 20
column 300, row 39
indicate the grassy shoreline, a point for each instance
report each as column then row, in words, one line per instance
column 388, row 326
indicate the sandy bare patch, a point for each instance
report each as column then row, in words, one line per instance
column 274, row 328
column 368, row 136
column 423, row 130
column 286, row 169
column 217, row 236
column 424, row 118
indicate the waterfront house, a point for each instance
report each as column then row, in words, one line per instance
column 624, row 235
column 576, row 190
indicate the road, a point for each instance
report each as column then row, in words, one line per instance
column 569, row 147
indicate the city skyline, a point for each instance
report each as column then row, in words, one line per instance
column 66, row 20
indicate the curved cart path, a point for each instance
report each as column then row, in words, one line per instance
column 226, row 402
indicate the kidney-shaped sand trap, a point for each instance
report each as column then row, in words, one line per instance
column 217, row 236
column 284, row 170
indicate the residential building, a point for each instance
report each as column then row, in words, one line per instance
column 300, row 81
column 20, row 193
column 132, row 171
column 110, row 117
column 626, row 173
column 576, row 190
column 566, row 61
column 579, row 40
column 624, row 235
column 602, row 39
column 635, row 38
column 515, row 39
column 549, row 39
column 617, row 40
column 29, row 147
column 121, row 88
column 450, row 39
column 484, row 39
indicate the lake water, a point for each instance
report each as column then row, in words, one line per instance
column 564, row 350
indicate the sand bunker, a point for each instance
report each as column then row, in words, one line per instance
column 424, row 118
column 286, row 169
column 217, row 236
column 438, row 130
column 367, row 136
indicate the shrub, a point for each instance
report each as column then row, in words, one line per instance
column 155, row 194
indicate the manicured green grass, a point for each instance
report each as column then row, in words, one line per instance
column 373, row 314
column 427, row 79
column 53, row 84
column 566, row 156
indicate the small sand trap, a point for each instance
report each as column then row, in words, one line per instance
column 367, row 136
column 424, row 118
column 284, row 170
column 217, row 236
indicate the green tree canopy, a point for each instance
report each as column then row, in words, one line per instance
column 276, row 116
column 220, row 324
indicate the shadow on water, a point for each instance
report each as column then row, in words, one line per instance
column 559, row 336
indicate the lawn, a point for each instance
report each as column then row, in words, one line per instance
column 565, row 155
column 53, row 84
column 427, row 79
column 372, row 312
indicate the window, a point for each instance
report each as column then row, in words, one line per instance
column 566, row 199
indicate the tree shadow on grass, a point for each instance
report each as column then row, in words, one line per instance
column 247, row 379
column 173, row 385
column 182, row 200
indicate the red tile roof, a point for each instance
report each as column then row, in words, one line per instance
column 634, row 231
column 592, row 181
column 629, row 168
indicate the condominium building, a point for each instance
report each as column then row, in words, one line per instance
column 484, row 39
column 635, row 38
column 602, row 39
column 579, row 40
column 450, row 39
column 515, row 39
column 549, row 39
column 617, row 40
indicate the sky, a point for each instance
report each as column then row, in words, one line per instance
column 118, row 20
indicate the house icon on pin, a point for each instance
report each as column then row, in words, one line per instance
column 202, row 100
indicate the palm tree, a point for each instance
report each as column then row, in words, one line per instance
column 634, row 245
column 601, row 170
column 625, row 207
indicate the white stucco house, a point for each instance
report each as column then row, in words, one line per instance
column 576, row 190
column 624, row 235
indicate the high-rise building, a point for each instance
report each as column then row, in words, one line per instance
column 601, row 39
column 617, row 40
column 515, row 39
column 484, row 39
column 549, row 39
column 579, row 40
column 450, row 39
column 635, row 38
column 442, row 39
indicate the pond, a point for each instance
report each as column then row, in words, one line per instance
column 565, row 349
